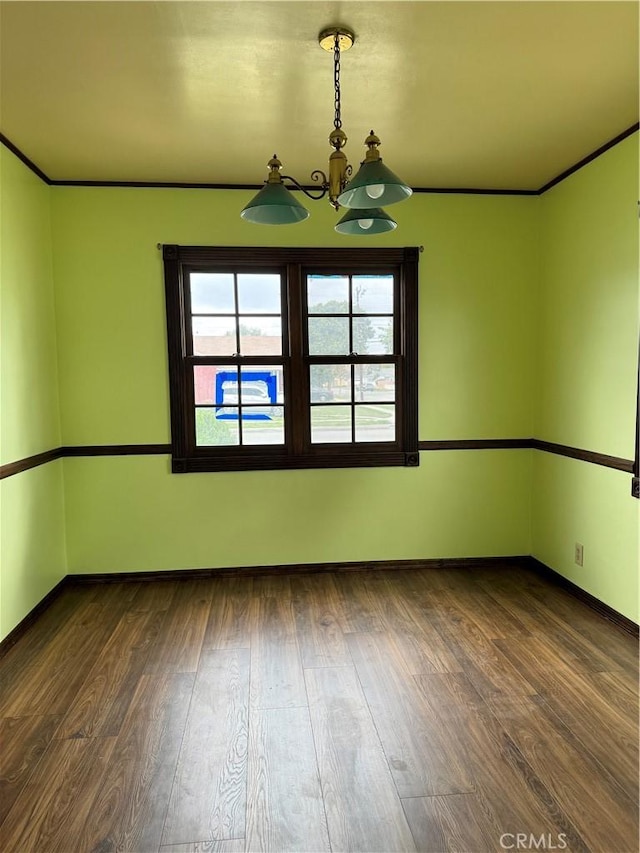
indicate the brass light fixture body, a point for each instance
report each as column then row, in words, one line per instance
column 337, row 39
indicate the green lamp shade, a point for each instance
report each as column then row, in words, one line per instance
column 374, row 184
column 371, row 221
column 274, row 205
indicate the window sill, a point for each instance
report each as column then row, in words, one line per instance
column 274, row 462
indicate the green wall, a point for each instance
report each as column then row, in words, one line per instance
column 587, row 346
column 477, row 294
column 32, row 544
column 131, row 514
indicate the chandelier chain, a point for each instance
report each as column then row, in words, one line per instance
column 337, row 121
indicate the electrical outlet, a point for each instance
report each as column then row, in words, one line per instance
column 579, row 555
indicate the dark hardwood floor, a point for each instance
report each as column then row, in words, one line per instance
column 444, row 710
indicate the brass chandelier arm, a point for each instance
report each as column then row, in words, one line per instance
column 317, row 175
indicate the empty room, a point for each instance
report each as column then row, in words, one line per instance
column 319, row 455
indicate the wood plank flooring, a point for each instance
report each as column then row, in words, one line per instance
column 470, row 710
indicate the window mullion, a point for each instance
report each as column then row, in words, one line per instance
column 351, row 325
column 237, row 314
column 297, row 395
column 353, row 359
column 353, row 403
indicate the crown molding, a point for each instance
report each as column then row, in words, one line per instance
column 590, row 157
column 27, row 162
column 55, row 182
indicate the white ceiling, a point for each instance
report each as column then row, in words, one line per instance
column 462, row 94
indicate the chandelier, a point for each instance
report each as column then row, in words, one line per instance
column 373, row 186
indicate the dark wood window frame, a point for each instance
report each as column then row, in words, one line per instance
column 294, row 264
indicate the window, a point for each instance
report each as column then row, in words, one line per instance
column 292, row 358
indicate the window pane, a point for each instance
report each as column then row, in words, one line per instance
column 372, row 294
column 375, row 383
column 216, row 427
column 268, row 430
column 214, row 335
column 262, row 385
column 329, row 336
column 260, row 336
column 259, row 293
column 373, row 335
column 212, row 293
column 375, row 423
column 330, row 383
column 330, row 424
column 328, row 294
